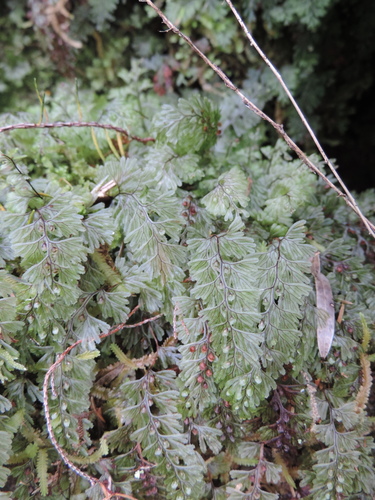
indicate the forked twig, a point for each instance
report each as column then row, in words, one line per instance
column 92, row 480
column 349, row 200
column 76, row 124
column 108, row 494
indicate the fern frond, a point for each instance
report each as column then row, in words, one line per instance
column 5, row 450
column 159, row 432
column 363, row 394
column 284, row 469
column 283, row 275
column 121, row 356
column 94, row 457
column 149, row 219
column 42, row 470
column 366, row 335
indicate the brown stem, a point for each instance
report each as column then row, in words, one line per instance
column 75, row 124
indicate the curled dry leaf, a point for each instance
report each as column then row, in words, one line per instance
column 324, row 302
column 58, row 17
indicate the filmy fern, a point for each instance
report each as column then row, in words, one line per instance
column 193, row 251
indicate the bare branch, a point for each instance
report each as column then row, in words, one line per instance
column 75, row 124
column 349, row 200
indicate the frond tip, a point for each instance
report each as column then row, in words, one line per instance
column 42, row 466
column 364, row 391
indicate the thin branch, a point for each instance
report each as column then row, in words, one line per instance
column 108, row 494
column 254, row 44
column 143, row 322
column 75, row 124
column 279, row 128
column 49, row 375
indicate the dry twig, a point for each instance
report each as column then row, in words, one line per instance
column 16, row 126
column 349, row 200
column 53, row 12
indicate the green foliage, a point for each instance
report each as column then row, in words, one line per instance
column 42, row 465
column 229, row 193
column 191, row 126
column 101, row 14
column 152, row 409
column 115, row 34
column 201, row 243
